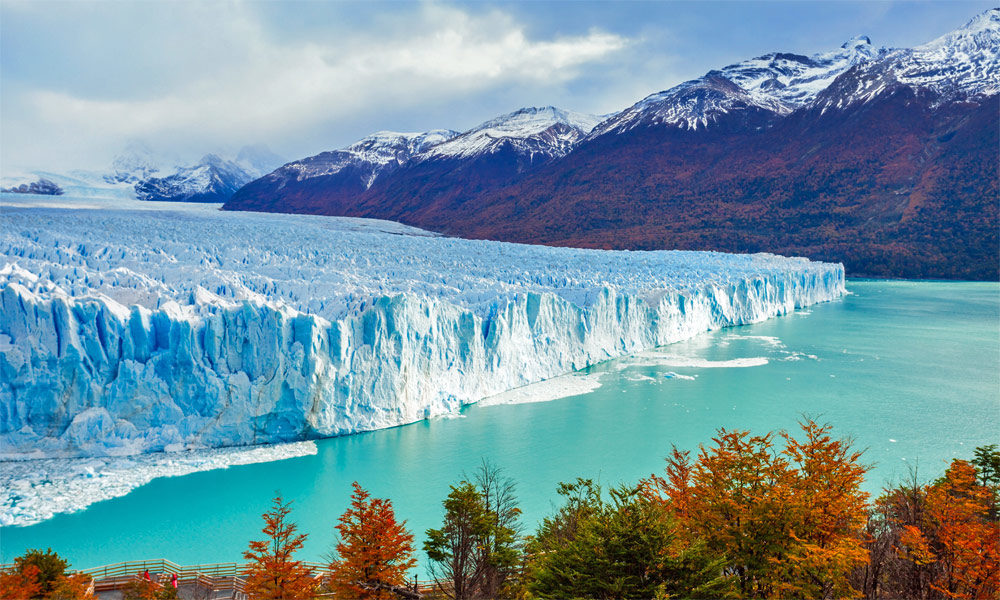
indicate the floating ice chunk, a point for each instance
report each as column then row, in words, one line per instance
column 546, row 391
column 35, row 490
column 673, row 360
column 672, row 375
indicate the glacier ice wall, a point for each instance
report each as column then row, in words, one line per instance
column 127, row 331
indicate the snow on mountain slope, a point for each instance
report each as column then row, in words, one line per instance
column 369, row 157
column 127, row 331
column 213, row 179
column 961, row 65
column 541, row 133
column 777, row 82
column 344, row 181
column 963, row 61
column 547, row 131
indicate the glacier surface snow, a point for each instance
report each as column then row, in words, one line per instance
column 128, row 329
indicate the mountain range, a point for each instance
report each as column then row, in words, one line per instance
column 883, row 159
column 214, row 178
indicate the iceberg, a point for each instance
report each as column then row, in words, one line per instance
column 128, row 330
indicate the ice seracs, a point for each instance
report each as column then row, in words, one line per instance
column 126, row 331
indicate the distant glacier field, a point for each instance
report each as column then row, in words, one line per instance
column 130, row 328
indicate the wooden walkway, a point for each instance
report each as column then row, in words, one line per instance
column 217, row 581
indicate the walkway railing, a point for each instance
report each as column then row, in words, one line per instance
column 227, row 578
column 170, row 568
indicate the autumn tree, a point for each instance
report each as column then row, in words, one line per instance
column 271, row 572
column 51, row 567
column 829, row 514
column 374, row 551
column 146, row 589
column 20, row 583
column 739, row 504
column 786, row 522
column 43, row 574
column 938, row 540
column 959, row 535
column 78, row 587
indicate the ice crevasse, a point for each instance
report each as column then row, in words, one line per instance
column 125, row 331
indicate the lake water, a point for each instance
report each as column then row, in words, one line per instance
column 910, row 370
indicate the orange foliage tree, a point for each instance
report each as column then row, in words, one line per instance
column 959, row 536
column 271, row 573
column 37, row 574
column 20, row 584
column 375, row 551
column 74, row 587
column 829, row 513
column 940, row 540
column 785, row 523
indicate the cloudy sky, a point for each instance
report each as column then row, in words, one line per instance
column 79, row 79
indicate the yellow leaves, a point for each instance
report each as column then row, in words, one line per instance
column 914, row 547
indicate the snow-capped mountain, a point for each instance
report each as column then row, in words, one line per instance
column 345, row 181
column 367, row 159
column 775, row 83
column 747, row 158
column 537, row 133
column 960, row 65
column 965, row 62
column 213, row 179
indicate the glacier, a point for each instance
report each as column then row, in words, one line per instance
column 166, row 327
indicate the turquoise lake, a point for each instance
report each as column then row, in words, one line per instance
column 909, row 370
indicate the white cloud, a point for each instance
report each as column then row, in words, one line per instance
column 249, row 84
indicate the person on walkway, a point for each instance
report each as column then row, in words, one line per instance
column 173, row 580
column 146, row 576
